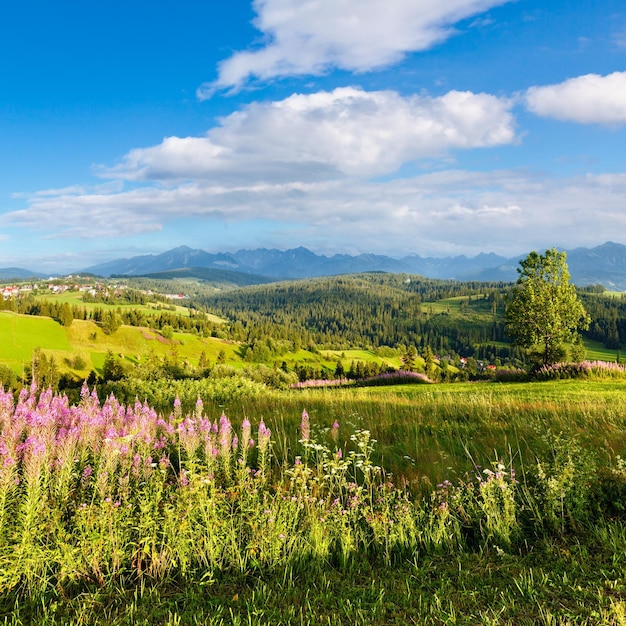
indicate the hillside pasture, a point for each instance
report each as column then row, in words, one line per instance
column 21, row 334
column 76, row 298
column 595, row 351
column 367, row 356
column 458, row 305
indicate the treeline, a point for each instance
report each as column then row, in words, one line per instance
column 608, row 319
column 369, row 310
column 195, row 322
column 373, row 310
column 121, row 297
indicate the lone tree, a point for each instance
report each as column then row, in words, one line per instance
column 543, row 310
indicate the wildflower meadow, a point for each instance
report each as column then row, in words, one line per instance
column 101, row 500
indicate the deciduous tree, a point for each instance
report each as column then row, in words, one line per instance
column 543, row 310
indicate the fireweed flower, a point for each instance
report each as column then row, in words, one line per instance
column 182, row 478
column 225, row 435
column 246, row 430
column 263, row 437
column 6, row 404
column 188, row 436
column 305, row 429
column 199, row 408
column 177, row 408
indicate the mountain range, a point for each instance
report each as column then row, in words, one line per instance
column 605, row 264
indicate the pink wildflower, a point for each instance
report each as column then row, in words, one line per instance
column 305, row 430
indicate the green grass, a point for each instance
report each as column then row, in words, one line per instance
column 595, row 351
column 76, row 297
column 21, row 334
column 460, row 306
column 367, row 356
column 554, row 577
column 565, row 583
column 427, row 433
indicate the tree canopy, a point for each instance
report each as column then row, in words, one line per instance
column 543, row 310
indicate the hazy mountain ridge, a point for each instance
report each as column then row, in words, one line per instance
column 18, row 273
column 296, row 263
column 604, row 264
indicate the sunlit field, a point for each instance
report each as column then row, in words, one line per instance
column 477, row 503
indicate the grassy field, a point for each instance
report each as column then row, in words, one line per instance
column 205, row 543
column 21, row 334
column 595, row 351
column 428, row 433
column 76, row 297
column 476, row 304
column 466, row 503
column 154, row 308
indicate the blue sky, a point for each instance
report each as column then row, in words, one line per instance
column 432, row 127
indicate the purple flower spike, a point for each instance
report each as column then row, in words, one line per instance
column 305, row 429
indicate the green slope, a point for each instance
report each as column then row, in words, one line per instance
column 21, row 334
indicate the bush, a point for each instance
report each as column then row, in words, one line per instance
column 503, row 375
column 8, row 378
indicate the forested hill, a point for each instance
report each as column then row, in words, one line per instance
column 368, row 310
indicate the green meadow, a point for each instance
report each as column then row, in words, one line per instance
column 21, row 334
column 427, row 433
column 462, row 503
column 473, row 503
column 76, row 298
column 597, row 352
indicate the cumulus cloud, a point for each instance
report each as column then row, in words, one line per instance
column 315, row 169
column 319, row 136
column 588, row 99
column 312, row 36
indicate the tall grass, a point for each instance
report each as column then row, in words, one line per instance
column 429, row 433
column 112, row 495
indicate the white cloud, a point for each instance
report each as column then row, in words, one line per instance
column 588, row 99
column 324, row 135
column 311, row 168
column 312, row 36
column 439, row 213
